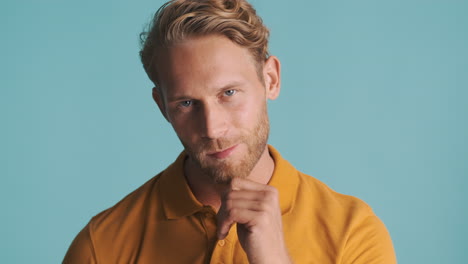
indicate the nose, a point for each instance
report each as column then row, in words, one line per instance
column 214, row 121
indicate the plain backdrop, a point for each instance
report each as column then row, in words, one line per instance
column 373, row 103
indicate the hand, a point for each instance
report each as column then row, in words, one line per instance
column 255, row 209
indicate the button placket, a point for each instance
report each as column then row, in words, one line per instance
column 223, row 251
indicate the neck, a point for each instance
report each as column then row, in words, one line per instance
column 209, row 192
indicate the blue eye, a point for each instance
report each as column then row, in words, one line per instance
column 186, row 103
column 230, row 92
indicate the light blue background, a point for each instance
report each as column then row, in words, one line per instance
column 374, row 103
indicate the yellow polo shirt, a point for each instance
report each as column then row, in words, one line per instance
column 162, row 222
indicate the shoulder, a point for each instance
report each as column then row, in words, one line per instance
column 131, row 209
column 328, row 200
column 304, row 193
column 347, row 221
column 338, row 213
column 116, row 227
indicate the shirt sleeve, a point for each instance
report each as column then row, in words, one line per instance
column 369, row 243
column 81, row 249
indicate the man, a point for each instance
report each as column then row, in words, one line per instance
column 229, row 197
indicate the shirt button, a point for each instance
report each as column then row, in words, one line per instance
column 221, row 243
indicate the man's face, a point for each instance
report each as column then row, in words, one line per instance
column 213, row 97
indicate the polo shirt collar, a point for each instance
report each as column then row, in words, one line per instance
column 178, row 200
column 285, row 179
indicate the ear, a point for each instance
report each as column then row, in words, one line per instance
column 272, row 77
column 158, row 98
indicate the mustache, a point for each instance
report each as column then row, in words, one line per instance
column 216, row 145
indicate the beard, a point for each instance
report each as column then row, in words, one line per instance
column 224, row 170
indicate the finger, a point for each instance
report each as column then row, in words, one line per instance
column 254, row 205
column 237, row 211
column 236, row 215
column 260, row 193
column 224, row 225
column 245, row 184
column 243, row 194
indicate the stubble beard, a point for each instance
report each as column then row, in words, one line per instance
column 223, row 171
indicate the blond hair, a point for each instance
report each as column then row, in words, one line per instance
column 178, row 20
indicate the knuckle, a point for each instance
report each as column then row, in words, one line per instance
column 272, row 193
column 229, row 196
column 273, row 190
column 228, row 204
column 232, row 212
column 263, row 216
column 262, row 206
column 235, row 182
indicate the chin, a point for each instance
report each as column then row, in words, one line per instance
column 226, row 171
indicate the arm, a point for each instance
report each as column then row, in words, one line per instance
column 369, row 243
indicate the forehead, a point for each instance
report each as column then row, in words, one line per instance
column 204, row 62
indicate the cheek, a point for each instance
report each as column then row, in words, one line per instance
column 246, row 115
column 183, row 130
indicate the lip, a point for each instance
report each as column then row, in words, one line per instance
column 223, row 153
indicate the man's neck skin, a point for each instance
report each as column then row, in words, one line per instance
column 209, row 193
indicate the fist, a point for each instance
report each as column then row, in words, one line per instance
column 255, row 209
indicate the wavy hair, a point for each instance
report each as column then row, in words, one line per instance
column 178, row 20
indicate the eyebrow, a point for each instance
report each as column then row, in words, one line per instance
column 228, row 86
